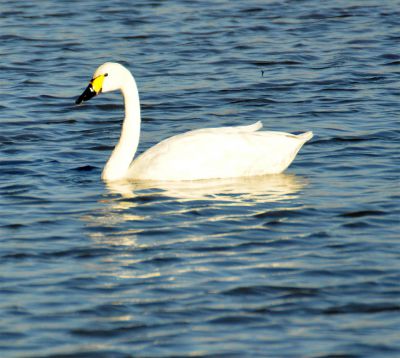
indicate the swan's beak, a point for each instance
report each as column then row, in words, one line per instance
column 94, row 88
column 87, row 94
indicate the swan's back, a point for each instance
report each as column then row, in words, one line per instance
column 225, row 152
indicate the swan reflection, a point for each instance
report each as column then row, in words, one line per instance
column 175, row 209
column 246, row 189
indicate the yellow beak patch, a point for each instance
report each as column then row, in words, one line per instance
column 97, row 83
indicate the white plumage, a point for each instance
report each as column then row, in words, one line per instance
column 209, row 153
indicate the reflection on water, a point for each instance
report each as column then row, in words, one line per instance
column 150, row 208
column 255, row 189
column 152, row 218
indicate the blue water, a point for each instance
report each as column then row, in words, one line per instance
column 303, row 264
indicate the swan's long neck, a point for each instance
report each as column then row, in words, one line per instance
column 123, row 153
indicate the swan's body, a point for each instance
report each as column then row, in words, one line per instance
column 225, row 152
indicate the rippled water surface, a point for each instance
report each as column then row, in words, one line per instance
column 303, row 264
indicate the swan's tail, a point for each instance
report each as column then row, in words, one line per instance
column 305, row 136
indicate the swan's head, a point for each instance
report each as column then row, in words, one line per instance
column 110, row 76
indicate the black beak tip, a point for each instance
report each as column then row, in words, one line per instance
column 87, row 94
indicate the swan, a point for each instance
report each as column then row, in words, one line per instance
column 208, row 153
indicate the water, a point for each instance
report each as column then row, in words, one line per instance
column 304, row 264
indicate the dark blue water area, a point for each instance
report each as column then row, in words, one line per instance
column 301, row 264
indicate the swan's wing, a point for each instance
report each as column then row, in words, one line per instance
column 217, row 153
column 197, row 139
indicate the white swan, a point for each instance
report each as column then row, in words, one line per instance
column 225, row 152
